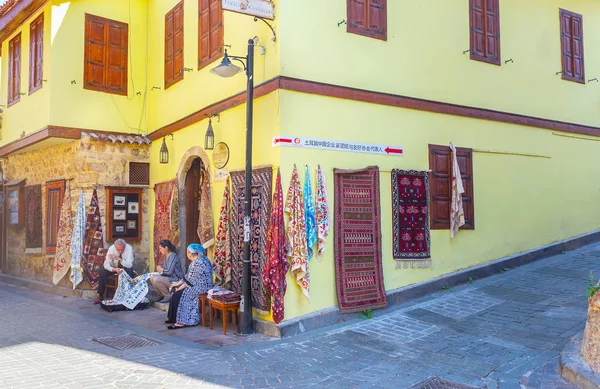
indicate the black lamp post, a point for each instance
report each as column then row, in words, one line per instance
column 227, row 69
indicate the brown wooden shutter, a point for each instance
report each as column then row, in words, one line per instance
column 11, row 71
column 36, row 50
column 39, row 59
column 174, row 45
column 484, row 20
column 14, row 70
column 368, row 18
column 32, row 51
column 54, row 195
column 571, row 32
column 95, row 53
column 168, row 50
column 465, row 163
column 216, row 29
column 17, row 71
column 210, row 31
column 116, row 69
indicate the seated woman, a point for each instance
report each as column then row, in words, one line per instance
column 183, row 308
column 171, row 272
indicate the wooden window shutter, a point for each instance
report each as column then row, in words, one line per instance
column 210, row 31
column 440, row 163
column 174, row 45
column 571, row 32
column 484, row 23
column 14, row 70
column 54, row 195
column 36, row 51
column 106, row 50
column 367, row 18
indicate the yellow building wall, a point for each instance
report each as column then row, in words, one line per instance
column 520, row 202
column 73, row 106
column 32, row 112
column 423, row 56
column 200, row 88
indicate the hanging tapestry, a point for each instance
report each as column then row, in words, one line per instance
column 296, row 234
column 206, row 228
column 259, row 223
column 62, row 259
column 323, row 223
column 77, row 240
column 309, row 213
column 33, row 216
column 174, row 214
column 222, row 255
column 357, row 233
column 457, row 211
column 410, row 218
column 163, row 195
column 93, row 246
column 277, row 264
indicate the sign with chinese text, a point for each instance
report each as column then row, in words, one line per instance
column 260, row 8
column 335, row 145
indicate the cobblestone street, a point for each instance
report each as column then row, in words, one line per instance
column 500, row 332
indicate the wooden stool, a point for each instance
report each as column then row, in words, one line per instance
column 224, row 308
column 111, row 286
column 202, row 307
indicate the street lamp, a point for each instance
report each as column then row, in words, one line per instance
column 227, row 69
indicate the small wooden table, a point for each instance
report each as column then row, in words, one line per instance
column 224, row 308
column 202, row 306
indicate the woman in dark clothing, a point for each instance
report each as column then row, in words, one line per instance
column 171, row 271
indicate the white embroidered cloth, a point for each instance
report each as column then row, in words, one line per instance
column 77, row 241
column 130, row 291
column 457, row 212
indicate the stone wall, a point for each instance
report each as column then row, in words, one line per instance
column 88, row 164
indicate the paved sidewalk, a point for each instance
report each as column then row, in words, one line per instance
column 501, row 332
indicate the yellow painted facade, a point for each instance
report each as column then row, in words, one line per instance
column 521, row 202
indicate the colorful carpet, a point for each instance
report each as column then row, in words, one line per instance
column 410, row 218
column 222, row 255
column 259, row 223
column 163, row 195
column 175, row 231
column 357, row 236
column 93, row 246
column 206, row 228
column 62, row 259
column 33, row 216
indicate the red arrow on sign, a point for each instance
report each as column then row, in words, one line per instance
column 281, row 140
column 390, row 150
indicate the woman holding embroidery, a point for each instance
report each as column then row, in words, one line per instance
column 170, row 272
column 183, row 308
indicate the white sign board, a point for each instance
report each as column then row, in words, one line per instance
column 261, row 8
column 335, row 145
column 221, row 175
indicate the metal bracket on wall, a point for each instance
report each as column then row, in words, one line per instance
column 342, row 22
column 274, row 39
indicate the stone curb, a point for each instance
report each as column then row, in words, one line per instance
column 574, row 369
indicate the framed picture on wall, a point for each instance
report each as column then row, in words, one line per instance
column 119, row 228
column 119, row 214
column 133, row 207
column 131, row 225
column 123, row 213
column 120, row 201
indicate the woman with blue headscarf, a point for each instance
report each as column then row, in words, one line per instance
column 183, row 308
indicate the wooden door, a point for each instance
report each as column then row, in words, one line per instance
column 192, row 198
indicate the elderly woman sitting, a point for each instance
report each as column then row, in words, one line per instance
column 183, row 308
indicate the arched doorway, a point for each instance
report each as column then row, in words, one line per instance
column 192, row 200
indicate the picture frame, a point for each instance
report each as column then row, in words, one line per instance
column 120, row 201
column 119, row 229
column 133, row 207
column 119, row 214
column 131, row 224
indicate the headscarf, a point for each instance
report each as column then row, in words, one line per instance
column 196, row 248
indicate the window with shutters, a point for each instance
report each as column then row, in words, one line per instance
column 210, row 31
column 368, row 18
column 54, row 196
column 484, row 19
column 14, row 70
column 571, row 43
column 440, row 164
column 105, row 56
column 174, row 45
column 36, row 53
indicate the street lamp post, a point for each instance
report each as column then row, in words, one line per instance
column 227, row 69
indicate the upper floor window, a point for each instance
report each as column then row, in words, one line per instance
column 210, row 31
column 571, row 43
column 36, row 53
column 105, row 55
column 14, row 70
column 485, row 30
column 368, row 18
column 174, row 45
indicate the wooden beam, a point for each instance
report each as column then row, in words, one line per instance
column 17, row 15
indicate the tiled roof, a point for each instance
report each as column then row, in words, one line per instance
column 118, row 138
column 4, row 8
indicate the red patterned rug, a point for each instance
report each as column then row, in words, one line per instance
column 357, row 237
column 163, row 193
column 262, row 181
column 410, row 218
column 93, row 246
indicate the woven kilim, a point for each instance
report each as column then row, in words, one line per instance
column 163, row 195
column 62, row 259
column 358, row 268
column 410, row 218
column 33, row 216
column 93, row 246
column 206, row 228
column 259, row 223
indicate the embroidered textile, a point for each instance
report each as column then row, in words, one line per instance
column 410, row 218
column 174, row 219
column 130, row 291
column 457, row 212
column 77, row 240
column 93, row 247
column 200, row 275
column 163, row 194
column 62, row 259
column 277, row 265
column 296, row 234
column 206, row 228
column 33, row 216
column 262, row 179
column 222, row 256
column 309, row 213
column 323, row 222
column 357, row 237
